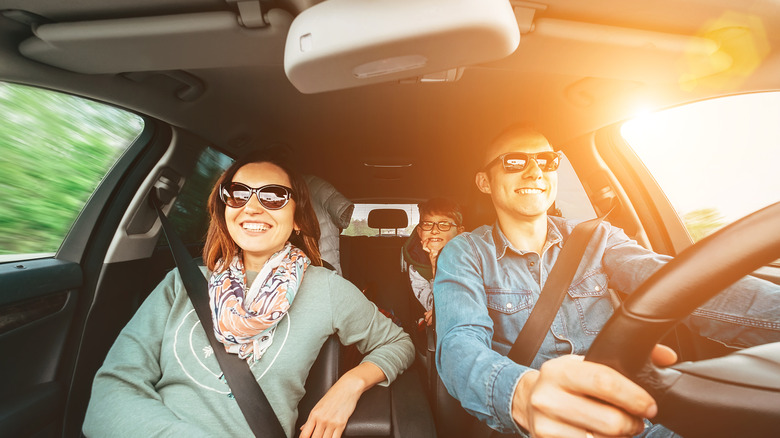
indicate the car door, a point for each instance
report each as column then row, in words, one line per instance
column 68, row 171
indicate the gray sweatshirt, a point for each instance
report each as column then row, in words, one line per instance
column 161, row 378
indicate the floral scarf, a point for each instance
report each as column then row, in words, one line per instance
column 244, row 321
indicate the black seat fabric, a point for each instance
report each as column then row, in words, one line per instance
column 397, row 411
column 388, row 218
column 373, row 266
column 372, row 263
column 322, row 376
column 373, row 414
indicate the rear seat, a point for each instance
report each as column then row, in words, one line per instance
column 372, row 263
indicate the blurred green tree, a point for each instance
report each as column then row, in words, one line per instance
column 359, row 227
column 703, row 222
column 54, row 151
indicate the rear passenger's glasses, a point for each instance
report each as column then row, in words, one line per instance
column 271, row 197
column 442, row 226
column 518, row 161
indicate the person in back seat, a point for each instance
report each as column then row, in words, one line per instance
column 440, row 221
column 334, row 212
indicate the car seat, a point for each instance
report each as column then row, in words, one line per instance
column 398, row 411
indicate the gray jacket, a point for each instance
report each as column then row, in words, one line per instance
column 334, row 212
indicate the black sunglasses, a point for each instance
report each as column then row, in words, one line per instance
column 271, row 196
column 442, row 226
column 548, row 161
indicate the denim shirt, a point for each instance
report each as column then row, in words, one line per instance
column 484, row 291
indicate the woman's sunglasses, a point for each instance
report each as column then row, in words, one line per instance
column 548, row 161
column 271, row 196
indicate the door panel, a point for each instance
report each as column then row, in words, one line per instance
column 36, row 308
column 45, row 302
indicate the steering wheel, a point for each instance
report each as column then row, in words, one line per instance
column 735, row 395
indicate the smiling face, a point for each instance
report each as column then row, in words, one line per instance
column 257, row 231
column 435, row 239
column 525, row 195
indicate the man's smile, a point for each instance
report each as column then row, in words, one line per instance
column 529, row 191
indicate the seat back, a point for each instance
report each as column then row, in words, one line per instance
column 322, row 375
column 397, row 411
column 450, row 417
column 371, row 263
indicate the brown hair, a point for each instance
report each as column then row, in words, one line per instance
column 442, row 206
column 219, row 244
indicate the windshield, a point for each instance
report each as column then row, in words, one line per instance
column 716, row 160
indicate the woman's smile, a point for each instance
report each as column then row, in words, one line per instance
column 256, row 226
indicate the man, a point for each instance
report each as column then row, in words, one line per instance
column 488, row 281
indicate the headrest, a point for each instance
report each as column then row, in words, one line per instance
column 388, row 218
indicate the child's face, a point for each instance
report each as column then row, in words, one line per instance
column 433, row 240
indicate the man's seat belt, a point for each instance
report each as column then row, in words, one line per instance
column 246, row 390
column 531, row 336
column 550, row 299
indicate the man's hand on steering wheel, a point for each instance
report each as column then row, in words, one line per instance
column 570, row 397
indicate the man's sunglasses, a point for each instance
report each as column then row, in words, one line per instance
column 442, row 226
column 271, row 196
column 548, row 161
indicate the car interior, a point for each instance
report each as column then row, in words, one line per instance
column 392, row 102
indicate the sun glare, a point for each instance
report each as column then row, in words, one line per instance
column 718, row 156
column 742, row 46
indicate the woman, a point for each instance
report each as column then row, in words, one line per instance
column 161, row 377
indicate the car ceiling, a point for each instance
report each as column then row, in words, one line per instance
column 567, row 86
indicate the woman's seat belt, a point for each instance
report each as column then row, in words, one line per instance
column 245, row 388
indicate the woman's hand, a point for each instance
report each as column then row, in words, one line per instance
column 571, row 397
column 329, row 416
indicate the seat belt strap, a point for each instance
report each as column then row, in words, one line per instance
column 245, row 388
column 550, row 299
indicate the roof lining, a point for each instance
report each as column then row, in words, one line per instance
column 183, row 41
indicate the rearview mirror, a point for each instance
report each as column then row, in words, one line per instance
column 348, row 43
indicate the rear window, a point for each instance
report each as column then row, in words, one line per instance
column 359, row 224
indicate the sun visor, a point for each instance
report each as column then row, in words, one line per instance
column 171, row 42
column 348, row 43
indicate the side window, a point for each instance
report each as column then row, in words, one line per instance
column 715, row 160
column 572, row 200
column 54, row 151
column 189, row 215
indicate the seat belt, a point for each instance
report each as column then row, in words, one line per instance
column 251, row 400
column 531, row 336
column 550, row 299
